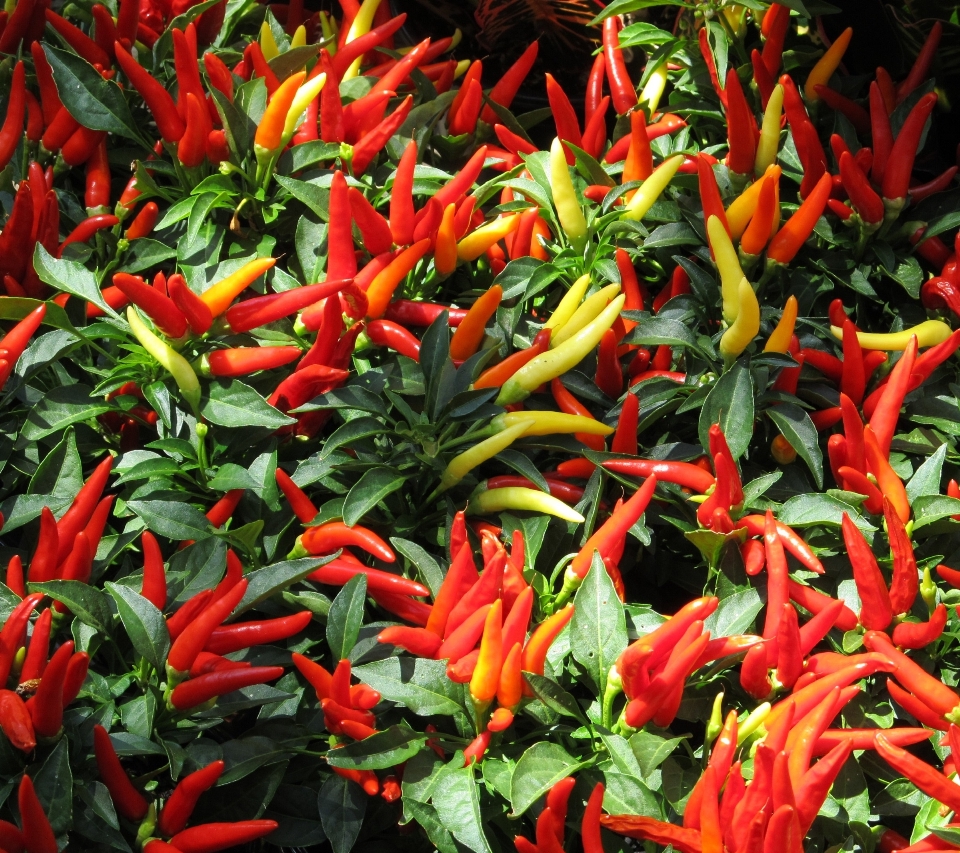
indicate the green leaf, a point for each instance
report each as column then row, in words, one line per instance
column 174, row 519
column 537, row 771
column 342, row 805
column 457, row 802
column 70, row 277
column 554, row 696
column 651, row 331
column 598, row 630
column 60, row 474
column 266, row 582
column 428, row 568
column 368, row 491
column 730, row 403
column 231, row 403
column 90, row 98
column 61, row 407
column 419, row 684
column 53, row 782
column 808, row 509
column 88, row 604
column 385, row 749
column 926, row 479
column 144, row 624
column 930, row 508
column 346, row 617
column 797, row 428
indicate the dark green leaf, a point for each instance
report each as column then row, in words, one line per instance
column 598, row 630
column 144, row 624
column 372, row 487
column 797, row 428
column 346, row 617
column 385, row 749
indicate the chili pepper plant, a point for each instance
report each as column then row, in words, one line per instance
column 387, row 466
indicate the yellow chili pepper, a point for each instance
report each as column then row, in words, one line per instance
column 779, row 339
column 929, row 333
column 299, row 37
column 736, row 18
column 269, row 136
column 653, row 89
column 518, row 498
column 305, row 95
column 268, row 44
column 552, row 423
column 586, row 313
column 219, row 296
column 743, row 206
column 560, row 359
column 769, row 142
column 385, row 283
column 174, row 363
column 469, row 334
column 360, row 26
column 728, row 265
column 569, row 211
column 568, row 305
column 461, row 68
column 753, row 722
column 486, row 675
column 476, row 243
column 465, row 462
column 744, row 329
column 328, row 27
column 821, row 73
column 651, row 188
column 445, row 250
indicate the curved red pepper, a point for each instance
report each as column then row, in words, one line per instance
column 34, row 821
column 128, row 800
column 899, row 168
column 180, row 804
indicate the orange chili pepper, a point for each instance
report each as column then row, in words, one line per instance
column 469, row 334
column 445, row 250
column 486, row 677
column 381, row 289
column 269, row 135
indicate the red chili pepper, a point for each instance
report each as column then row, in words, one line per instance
column 506, row 88
column 16, row 723
column 856, row 114
column 791, row 237
column 192, row 146
column 180, row 804
column 195, row 636
column 210, row 837
column 15, row 341
column 12, row 128
column 904, row 585
column 196, row 691
column 144, row 221
column 876, row 612
column 776, row 22
column 932, row 782
column 918, row 192
column 777, row 582
column 710, row 194
column 161, row 309
column 682, row 473
column 914, row 678
column 564, row 116
column 338, row 572
column 614, row 530
column 373, row 142
column 816, row 602
column 762, row 77
column 386, row 333
column 622, row 90
column 917, row 708
column 918, row 635
column 708, row 59
column 327, row 538
column 85, row 46
column 866, row 202
column 243, row 635
column 464, row 113
column 86, row 229
column 899, row 167
column 158, row 100
column 882, row 135
column 128, row 800
column 46, row 706
column 37, row 832
column 921, row 65
column 741, row 127
column 260, row 310
column 375, row 230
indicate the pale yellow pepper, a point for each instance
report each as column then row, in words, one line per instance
column 779, row 339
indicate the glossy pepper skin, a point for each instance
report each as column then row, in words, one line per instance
column 180, row 804
column 128, row 800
